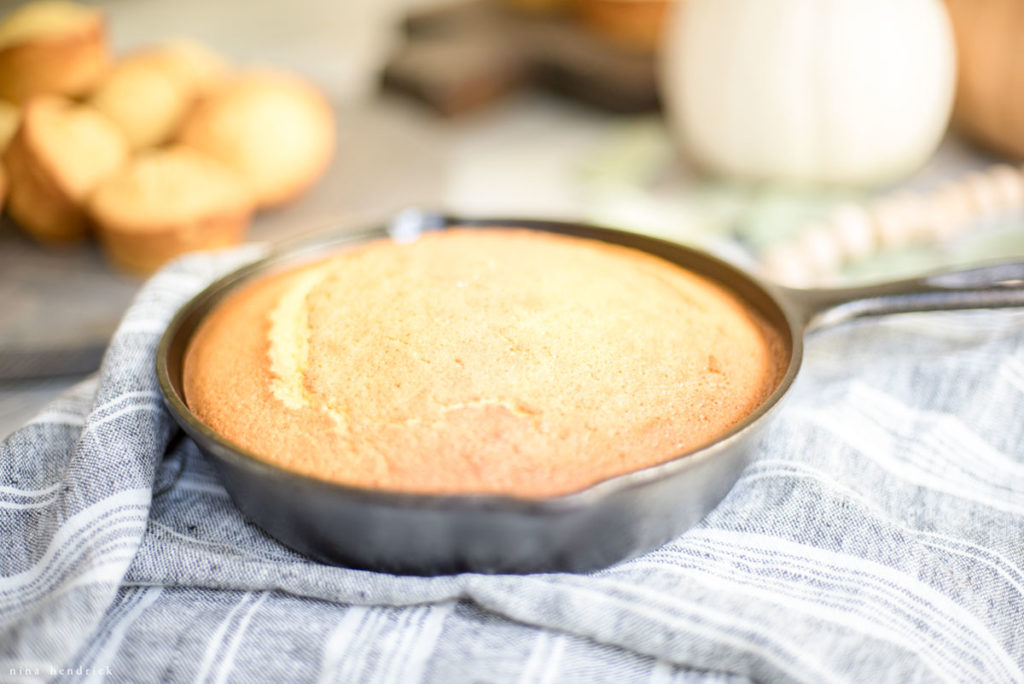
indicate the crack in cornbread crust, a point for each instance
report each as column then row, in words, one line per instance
column 289, row 341
column 502, row 361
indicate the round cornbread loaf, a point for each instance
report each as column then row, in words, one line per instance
column 500, row 361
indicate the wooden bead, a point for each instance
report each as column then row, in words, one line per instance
column 821, row 250
column 896, row 220
column 852, row 228
column 1008, row 185
column 953, row 209
column 922, row 219
column 786, row 264
column 981, row 194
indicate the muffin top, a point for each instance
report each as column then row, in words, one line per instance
column 168, row 186
column 275, row 130
column 497, row 361
column 143, row 100
column 74, row 143
column 148, row 94
column 46, row 20
column 193, row 66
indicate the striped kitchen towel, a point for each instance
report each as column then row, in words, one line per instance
column 877, row 536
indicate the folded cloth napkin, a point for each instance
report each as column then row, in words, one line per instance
column 877, row 536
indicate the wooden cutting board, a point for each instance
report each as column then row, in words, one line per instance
column 58, row 307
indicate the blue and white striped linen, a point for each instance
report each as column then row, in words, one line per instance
column 877, row 536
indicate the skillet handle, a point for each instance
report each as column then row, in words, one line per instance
column 996, row 285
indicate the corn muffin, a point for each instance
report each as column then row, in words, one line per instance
column 498, row 361
column 166, row 202
column 148, row 94
column 60, row 153
column 275, row 130
column 51, row 47
column 193, row 65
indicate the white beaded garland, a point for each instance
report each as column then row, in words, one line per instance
column 1008, row 185
column 894, row 220
column 982, row 193
column 852, row 226
column 823, row 252
column 853, row 232
column 786, row 264
column 954, row 211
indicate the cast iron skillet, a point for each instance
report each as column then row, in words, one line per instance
column 615, row 519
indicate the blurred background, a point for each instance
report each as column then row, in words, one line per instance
column 816, row 143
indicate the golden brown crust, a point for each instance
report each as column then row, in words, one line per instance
column 144, row 252
column 59, row 154
column 168, row 202
column 144, row 102
column 636, row 24
column 501, row 361
column 194, row 66
column 3, row 187
column 68, row 61
column 274, row 129
column 35, row 201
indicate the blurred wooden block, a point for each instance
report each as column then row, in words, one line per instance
column 570, row 60
column 462, row 56
column 456, row 74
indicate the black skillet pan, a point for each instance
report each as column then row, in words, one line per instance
column 612, row 520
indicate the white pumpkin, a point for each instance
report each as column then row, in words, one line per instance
column 836, row 92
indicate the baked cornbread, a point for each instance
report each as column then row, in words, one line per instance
column 274, row 129
column 58, row 156
column 51, row 47
column 166, row 202
column 479, row 361
column 148, row 94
